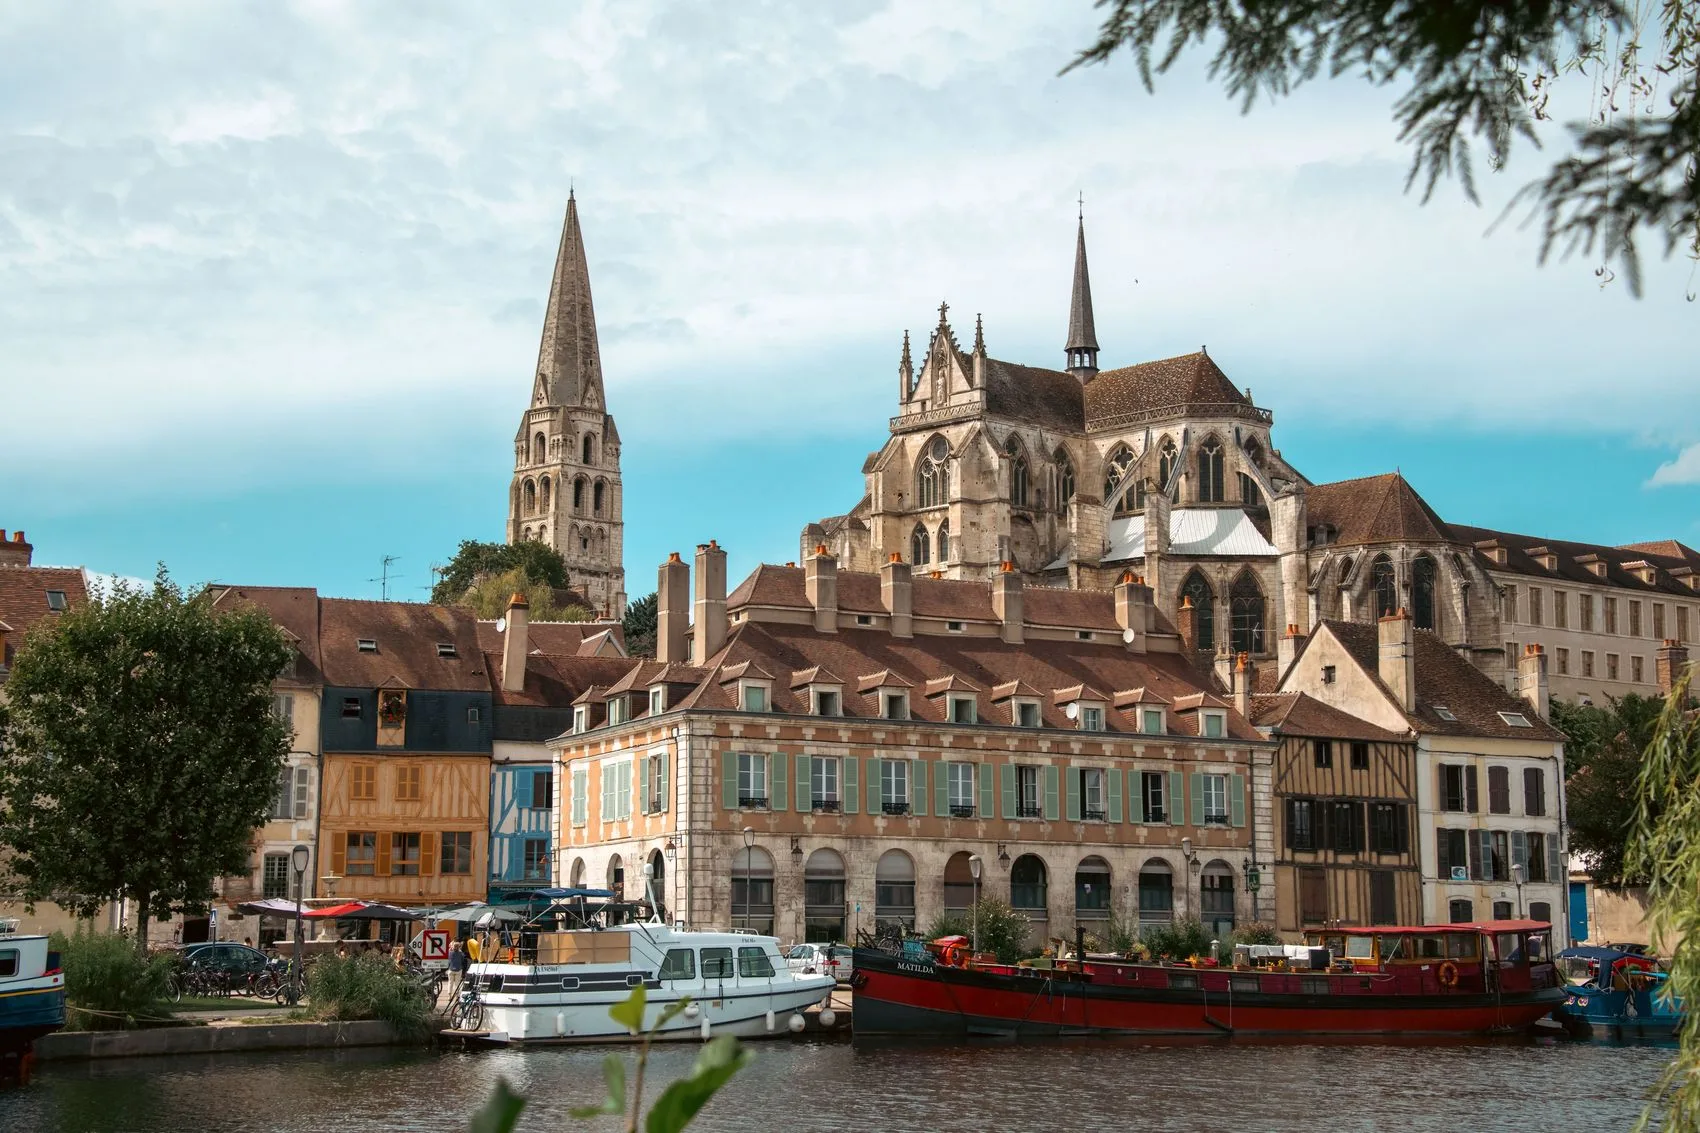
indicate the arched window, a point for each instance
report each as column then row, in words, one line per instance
column 752, row 889
column 539, row 449
column 894, row 890
column 589, row 451
column 530, row 491
column 920, row 547
column 1027, row 883
column 1245, row 611
column 1092, row 887
column 1120, row 461
column 960, row 890
column 1423, row 574
column 655, row 885
column 1018, row 476
column 1156, row 893
column 543, row 484
column 1197, row 588
column 617, row 876
column 596, row 498
column 578, row 495
column 543, row 534
column 1385, row 584
column 1216, row 898
column 823, row 897
column 1167, row 455
column 525, row 536
column 930, row 474
column 1065, row 479
column 944, row 541
column 1210, row 472
column 577, row 874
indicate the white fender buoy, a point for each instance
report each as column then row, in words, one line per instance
column 705, row 1028
column 828, row 1017
column 796, row 1024
column 770, row 1022
column 692, row 1011
column 560, row 1022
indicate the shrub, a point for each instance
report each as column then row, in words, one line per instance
column 949, row 924
column 1178, row 941
column 1003, row 931
column 1257, row 932
column 108, row 986
column 367, row 986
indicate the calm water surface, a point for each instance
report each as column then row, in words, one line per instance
column 1214, row 1086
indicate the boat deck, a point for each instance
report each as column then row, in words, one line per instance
column 812, row 1028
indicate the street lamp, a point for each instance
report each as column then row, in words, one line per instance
column 1519, row 875
column 749, row 868
column 974, row 870
column 298, row 858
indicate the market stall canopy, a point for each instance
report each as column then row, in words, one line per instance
column 362, row 911
column 559, row 894
column 346, row 909
column 474, row 912
column 273, row 907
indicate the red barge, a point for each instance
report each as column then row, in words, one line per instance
column 1458, row 979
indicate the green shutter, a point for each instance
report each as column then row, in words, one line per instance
column 1197, row 788
column 661, row 779
column 918, row 787
column 1113, row 786
column 777, row 799
column 1051, row 775
column 1176, row 802
column 643, row 783
column 849, row 781
column 988, row 790
column 1073, row 800
column 805, row 787
column 876, row 795
column 729, row 780
column 941, row 791
column 1006, row 772
column 1236, row 799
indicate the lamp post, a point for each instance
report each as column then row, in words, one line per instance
column 1191, row 857
column 1519, row 874
column 749, row 867
column 298, row 858
column 974, row 871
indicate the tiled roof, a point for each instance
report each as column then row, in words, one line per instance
column 550, row 637
column 1375, row 509
column 1189, row 381
column 295, row 609
column 1300, row 714
column 1670, row 548
column 1567, row 566
column 407, row 636
column 1033, row 395
column 23, row 598
column 1444, row 678
column 555, row 680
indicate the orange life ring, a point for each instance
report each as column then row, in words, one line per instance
column 1448, row 974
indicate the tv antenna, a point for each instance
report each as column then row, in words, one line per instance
column 383, row 578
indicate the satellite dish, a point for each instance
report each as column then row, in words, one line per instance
column 1072, row 711
column 501, row 625
column 1128, row 635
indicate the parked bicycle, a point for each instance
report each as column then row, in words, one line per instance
column 468, row 1011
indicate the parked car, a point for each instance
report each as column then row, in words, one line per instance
column 224, row 956
column 831, row 959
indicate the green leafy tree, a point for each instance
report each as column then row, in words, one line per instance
column 141, row 753
column 1602, row 759
column 639, row 624
column 539, row 562
column 490, row 595
column 1481, row 69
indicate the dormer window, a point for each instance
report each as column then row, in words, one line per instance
column 1445, row 713
column 1213, row 725
column 657, row 701
column 56, row 601
column 367, row 645
column 962, row 710
column 1151, row 721
column 752, row 697
column 953, row 627
column 1091, row 718
column 445, row 649
column 864, row 619
column 618, row 709
column 1026, row 714
column 894, row 705
column 1083, row 634
column 827, row 702
column 1516, row 719
column 581, row 720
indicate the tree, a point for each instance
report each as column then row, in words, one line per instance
column 141, row 751
column 540, row 562
column 490, row 595
column 639, row 626
column 1484, row 69
column 1602, row 760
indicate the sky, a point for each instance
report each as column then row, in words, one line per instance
column 272, row 276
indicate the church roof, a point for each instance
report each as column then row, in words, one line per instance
column 1190, row 383
column 569, row 363
column 1033, row 395
column 1192, row 531
column 1619, row 566
column 1082, row 335
column 1376, row 509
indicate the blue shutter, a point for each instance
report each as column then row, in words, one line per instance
column 521, row 781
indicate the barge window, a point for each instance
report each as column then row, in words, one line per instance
column 1395, row 948
column 9, row 962
column 1360, row 948
column 1315, row 985
column 1429, row 947
column 716, row 963
column 1460, row 946
column 1183, row 983
column 753, row 964
column 1242, row 983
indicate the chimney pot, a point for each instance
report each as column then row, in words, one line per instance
column 895, row 557
column 672, row 610
column 516, row 644
column 820, row 583
column 1007, row 566
column 673, row 557
column 820, row 548
column 709, row 631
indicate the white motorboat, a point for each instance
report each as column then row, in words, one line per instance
column 32, row 999
column 554, row 979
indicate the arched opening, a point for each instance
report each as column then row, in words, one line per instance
column 1197, row 588
column 752, row 890
column 575, row 877
column 1092, row 889
column 1216, row 899
column 1210, row 472
column 920, row 546
column 539, row 449
column 823, row 898
column 589, row 449
column 960, row 891
column 530, row 493
column 1065, row 479
column 543, row 492
column 1156, row 892
column 1018, row 475
column 1120, row 461
column 1167, row 457
column 657, row 893
column 1250, row 494
column 1245, row 613
column 944, row 541
column 894, row 890
column 1028, row 894
column 1385, row 584
column 930, row 474
column 578, row 495
column 1423, row 575
column 597, row 492
column 617, row 877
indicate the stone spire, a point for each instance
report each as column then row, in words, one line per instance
column 906, row 371
column 1082, row 348
column 569, row 363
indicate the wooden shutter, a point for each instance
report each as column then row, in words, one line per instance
column 1113, row 788
column 1197, row 789
column 1534, row 791
column 303, row 788
column 1481, row 860
column 778, row 791
column 849, row 783
column 1290, row 816
column 918, row 788
column 427, row 853
column 1499, row 790
column 805, row 786
column 1176, row 802
column 1554, row 866
column 1072, row 801
column 988, row 790
column 1443, row 854
column 1472, row 800
column 1006, row 772
column 382, row 868
column 876, row 793
column 941, row 791
column 521, row 781
column 729, row 780
column 339, row 852
column 1401, row 828
column 643, row 783
column 1236, row 800
column 661, row 777
column 1052, row 773
column 605, row 773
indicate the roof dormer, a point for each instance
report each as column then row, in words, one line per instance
column 1082, row 704
column 1644, row 570
column 1545, row 557
column 1495, row 551
column 1593, row 564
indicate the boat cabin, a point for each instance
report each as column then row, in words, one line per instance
column 1510, row 955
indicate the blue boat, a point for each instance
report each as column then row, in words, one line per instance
column 32, row 1000
column 1616, row 992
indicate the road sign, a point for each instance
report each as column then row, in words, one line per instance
column 434, row 945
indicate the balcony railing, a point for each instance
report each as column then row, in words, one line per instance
column 1029, row 810
column 1215, row 818
column 1091, row 814
column 752, row 802
column 827, row 806
column 895, row 808
column 961, row 811
column 1156, row 814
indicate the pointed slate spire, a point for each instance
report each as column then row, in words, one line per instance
column 905, row 372
column 979, row 336
column 1082, row 348
column 569, row 361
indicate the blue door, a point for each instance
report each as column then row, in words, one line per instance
column 1578, row 911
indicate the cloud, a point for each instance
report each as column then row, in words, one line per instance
column 1683, row 469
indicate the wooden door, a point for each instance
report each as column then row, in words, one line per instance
column 1313, row 895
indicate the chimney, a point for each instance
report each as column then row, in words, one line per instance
column 820, row 583
column 516, row 643
column 897, row 592
column 1006, row 602
column 1669, row 663
column 1532, row 679
column 1397, row 657
column 672, row 611
column 709, row 632
column 1186, row 621
column 1133, row 609
column 1224, row 662
column 1245, row 675
column 15, row 553
column 1288, row 648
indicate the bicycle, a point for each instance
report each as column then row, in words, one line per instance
column 468, row 1011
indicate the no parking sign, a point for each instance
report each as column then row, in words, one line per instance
column 434, row 946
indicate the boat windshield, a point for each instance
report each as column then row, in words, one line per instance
column 1579, row 969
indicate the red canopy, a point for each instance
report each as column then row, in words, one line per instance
column 346, row 909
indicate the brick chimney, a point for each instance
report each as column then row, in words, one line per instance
column 1245, row 676
column 1007, row 602
column 1396, row 655
column 897, row 592
column 672, row 611
column 1532, row 679
column 1186, row 621
column 820, row 583
column 1669, row 664
column 16, row 552
column 1133, row 609
column 709, row 630
column 516, row 643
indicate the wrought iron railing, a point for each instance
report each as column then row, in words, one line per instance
column 829, row 806
column 961, row 811
column 895, row 808
column 753, row 802
column 1092, row 815
column 1029, row 810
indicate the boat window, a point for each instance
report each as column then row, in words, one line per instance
column 1242, row 983
column 1430, row 947
column 1360, row 948
column 1508, row 947
column 9, row 962
column 1540, row 948
column 1315, row 985
column 754, row 964
column 801, row 952
column 679, row 964
column 1396, row 948
column 1460, row 946
column 1186, row 982
column 716, row 963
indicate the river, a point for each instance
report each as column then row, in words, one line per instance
column 1217, row 1086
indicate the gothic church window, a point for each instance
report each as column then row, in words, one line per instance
column 544, row 484
column 1423, row 573
column 944, row 541
column 589, row 448
column 1065, row 480
column 1197, row 587
column 1120, row 461
column 1167, row 457
column 578, row 495
column 1386, row 586
column 930, row 475
column 539, row 449
column 920, row 547
column 530, row 492
column 596, row 498
column 1245, row 611
column 1210, row 472
column 1017, row 475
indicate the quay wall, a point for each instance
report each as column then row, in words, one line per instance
column 69, row 1046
